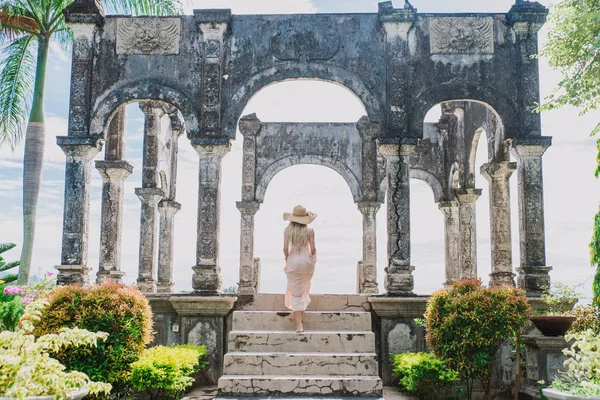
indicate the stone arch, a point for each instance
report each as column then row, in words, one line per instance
column 107, row 105
column 244, row 92
column 504, row 108
column 431, row 180
column 278, row 166
column 473, row 154
column 453, row 178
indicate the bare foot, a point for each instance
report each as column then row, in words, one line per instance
column 299, row 329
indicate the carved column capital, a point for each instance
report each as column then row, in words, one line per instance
column 447, row 206
column 467, row 196
column 393, row 151
column 248, row 207
column 369, row 207
column 250, row 125
column 530, row 147
column 168, row 207
column 114, row 170
column 212, row 150
column 367, row 128
column 149, row 107
column 79, row 151
column 498, row 171
column 150, row 196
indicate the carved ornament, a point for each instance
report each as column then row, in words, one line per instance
column 461, row 35
column 149, row 35
column 295, row 44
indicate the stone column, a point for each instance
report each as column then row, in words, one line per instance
column 207, row 274
column 369, row 261
column 247, row 278
column 399, row 279
column 397, row 24
column 533, row 272
column 467, row 238
column 113, row 174
column 451, row 238
column 148, row 235
column 83, row 18
column 74, row 256
column 153, row 112
column 250, row 127
column 167, row 210
column 498, row 175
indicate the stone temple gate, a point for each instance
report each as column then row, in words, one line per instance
column 195, row 74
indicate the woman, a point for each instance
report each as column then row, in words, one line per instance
column 300, row 256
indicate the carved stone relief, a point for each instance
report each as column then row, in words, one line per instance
column 148, row 35
column 461, row 35
column 292, row 44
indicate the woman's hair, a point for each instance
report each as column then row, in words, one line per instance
column 297, row 234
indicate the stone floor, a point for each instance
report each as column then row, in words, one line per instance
column 208, row 393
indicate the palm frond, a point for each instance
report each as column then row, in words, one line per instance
column 17, row 71
column 16, row 25
column 64, row 37
column 9, row 278
column 143, row 7
column 4, row 247
column 10, row 265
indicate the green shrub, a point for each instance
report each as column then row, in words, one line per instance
column 11, row 310
column 423, row 375
column 587, row 318
column 123, row 312
column 164, row 372
column 7, row 266
column 468, row 323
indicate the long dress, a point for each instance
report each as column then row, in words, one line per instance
column 299, row 269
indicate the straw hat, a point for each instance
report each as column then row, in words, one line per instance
column 300, row 216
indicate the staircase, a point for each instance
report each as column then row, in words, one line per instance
column 335, row 356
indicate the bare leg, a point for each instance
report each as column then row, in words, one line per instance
column 298, row 320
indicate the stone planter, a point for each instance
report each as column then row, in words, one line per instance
column 552, row 394
column 553, row 325
column 75, row 395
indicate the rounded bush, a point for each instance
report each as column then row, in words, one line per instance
column 468, row 323
column 424, row 375
column 123, row 312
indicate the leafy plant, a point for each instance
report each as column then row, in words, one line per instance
column 581, row 376
column 6, row 266
column 26, row 368
column 164, row 372
column 572, row 48
column 467, row 324
column 587, row 318
column 423, row 375
column 558, row 300
column 123, row 312
column 13, row 299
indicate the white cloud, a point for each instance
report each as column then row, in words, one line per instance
column 257, row 6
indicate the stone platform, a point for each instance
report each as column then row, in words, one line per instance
column 267, row 358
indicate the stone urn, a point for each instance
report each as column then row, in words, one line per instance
column 74, row 395
column 552, row 394
column 553, row 325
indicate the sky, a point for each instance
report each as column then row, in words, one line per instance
column 571, row 191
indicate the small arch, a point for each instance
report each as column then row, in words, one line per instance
column 278, row 166
column 107, row 105
column 473, row 154
column 431, row 180
column 164, row 183
column 313, row 71
column 504, row 108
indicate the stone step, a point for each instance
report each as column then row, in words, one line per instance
column 312, row 321
column 278, row 385
column 339, row 364
column 319, row 302
column 314, row 341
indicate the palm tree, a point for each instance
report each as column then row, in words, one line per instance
column 27, row 27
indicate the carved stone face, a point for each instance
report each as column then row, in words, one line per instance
column 461, row 38
column 147, row 39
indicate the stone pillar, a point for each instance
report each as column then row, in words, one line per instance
column 167, row 210
column 451, row 238
column 153, row 112
column 113, row 174
column 399, row 279
column 148, row 229
column 397, row 24
column 74, row 256
column 369, row 261
column 115, row 140
column 83, row 18
column 533, row 272
column 250, row 127
column 498, row 175
column 207, row 274
column 247, row 278
column 467, row 238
